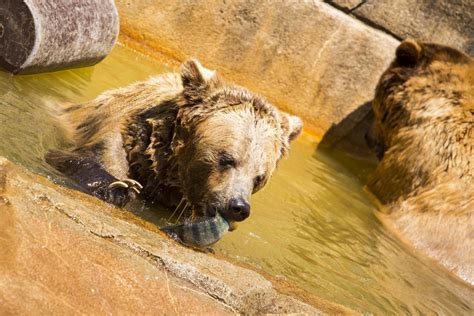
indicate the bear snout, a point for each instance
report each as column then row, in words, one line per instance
column 238, row 209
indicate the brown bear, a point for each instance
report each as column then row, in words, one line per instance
column 188, row 138
column 424, row 128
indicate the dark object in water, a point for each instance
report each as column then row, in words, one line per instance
column 200, row 234
column 48, row 35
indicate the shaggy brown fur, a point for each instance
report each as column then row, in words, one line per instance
column 424, row 122
column 187, row 136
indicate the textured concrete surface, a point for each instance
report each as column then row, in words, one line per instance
column 67, row 252
column 445, row 22
column 47, row 35
column 305, row 56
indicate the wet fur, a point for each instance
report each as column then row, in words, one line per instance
column 424, row 124
column 168, row 133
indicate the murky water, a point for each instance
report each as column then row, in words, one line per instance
column 313, row 224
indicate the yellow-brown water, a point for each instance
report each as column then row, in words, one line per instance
column 313, row 224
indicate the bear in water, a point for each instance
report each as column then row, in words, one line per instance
column 424, row 133
column 187, row 138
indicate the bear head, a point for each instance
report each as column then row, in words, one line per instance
column 419, row 71
column 228, row 142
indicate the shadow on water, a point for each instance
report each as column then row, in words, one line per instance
column 346, row 142
column 313, row 224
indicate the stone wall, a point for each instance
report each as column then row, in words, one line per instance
column 307, row 57
column 318, row 60
column 445, row 22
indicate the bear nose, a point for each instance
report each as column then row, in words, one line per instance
column 239, row 209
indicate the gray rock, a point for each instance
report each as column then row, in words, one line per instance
column 444, row 22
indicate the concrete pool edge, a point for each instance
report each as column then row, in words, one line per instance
column 231, row 287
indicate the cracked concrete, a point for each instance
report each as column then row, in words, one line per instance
column 67, row 252
column 346, row 5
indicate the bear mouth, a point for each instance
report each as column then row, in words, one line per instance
column 210, row 210
column 233, row 225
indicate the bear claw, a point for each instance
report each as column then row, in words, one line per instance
column 120, row 192
column 127, row 184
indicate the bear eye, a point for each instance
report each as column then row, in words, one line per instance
column 257, row 181
column 226, row 161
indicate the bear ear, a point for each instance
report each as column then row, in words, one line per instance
column 291, row 126
column 409, row 53
column 195, row 76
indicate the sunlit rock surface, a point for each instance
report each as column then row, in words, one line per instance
column 445, row 22
column 306, row 56
column 67, row 252
column 317, row 59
